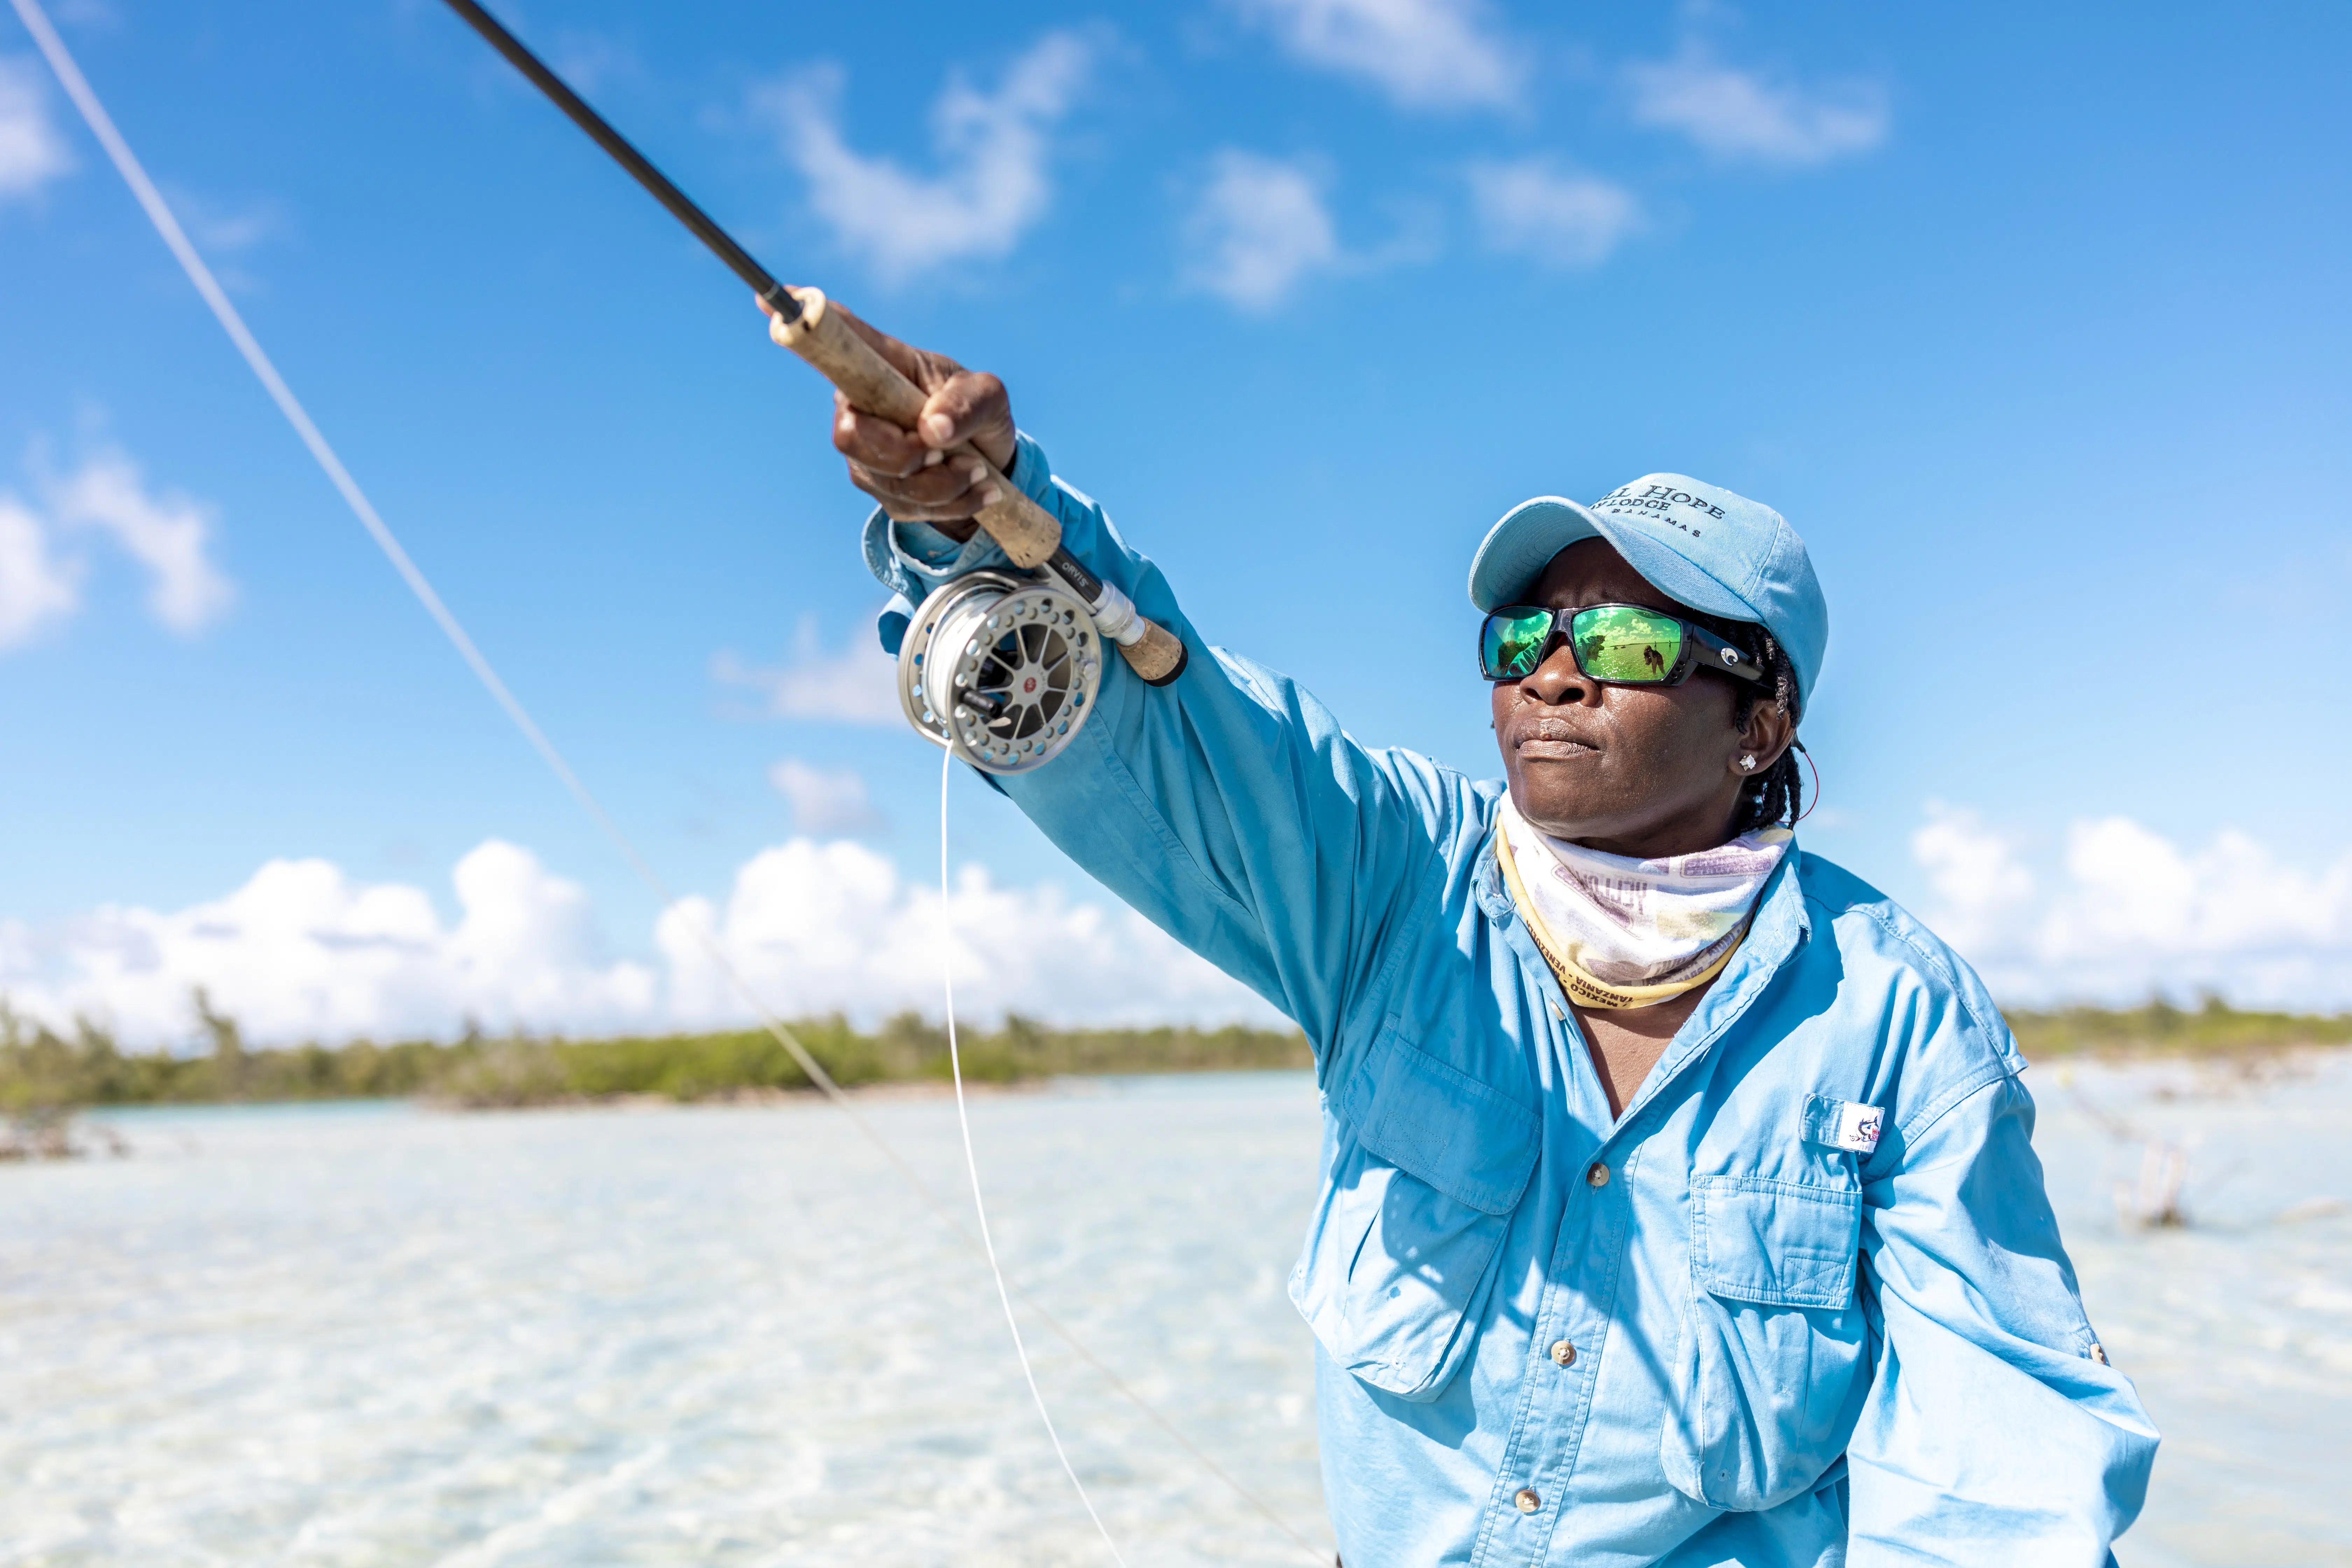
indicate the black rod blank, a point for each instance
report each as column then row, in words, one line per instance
column 722, row 244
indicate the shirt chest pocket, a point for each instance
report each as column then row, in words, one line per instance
column 1771, row 1373
column 1427, row 1165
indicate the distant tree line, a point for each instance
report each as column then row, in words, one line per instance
column 2160, row 1028
column 46, row 1076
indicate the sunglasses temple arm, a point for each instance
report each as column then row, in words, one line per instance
column 1746, row 668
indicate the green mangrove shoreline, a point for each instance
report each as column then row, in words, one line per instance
column 44, row 1074
column 46, row 1077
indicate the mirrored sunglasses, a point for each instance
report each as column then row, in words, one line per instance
column 1627, row 644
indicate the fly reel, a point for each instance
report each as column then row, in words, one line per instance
column 1002, row 670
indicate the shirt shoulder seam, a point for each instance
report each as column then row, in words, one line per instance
column 1927, row 959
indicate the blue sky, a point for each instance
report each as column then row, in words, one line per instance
column 2033, row 322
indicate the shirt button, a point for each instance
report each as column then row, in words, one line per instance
column 1527, row 1500
column 1597, row 1174
column 1564, row 1353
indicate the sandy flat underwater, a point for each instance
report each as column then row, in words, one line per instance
column 376, row 1335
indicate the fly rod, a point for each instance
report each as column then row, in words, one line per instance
column 1029, row 534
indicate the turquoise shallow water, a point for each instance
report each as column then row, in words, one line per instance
column 372, row 1334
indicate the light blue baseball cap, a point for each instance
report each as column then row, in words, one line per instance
column 1694, row 542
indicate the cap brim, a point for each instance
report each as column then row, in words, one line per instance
column 1518, row 548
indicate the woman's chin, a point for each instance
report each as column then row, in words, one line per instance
column 1567, row 819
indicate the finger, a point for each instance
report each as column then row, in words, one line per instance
column 957, row 488
column 875, row 442
column 954, row 518
column 969, row 406
column 930, row 499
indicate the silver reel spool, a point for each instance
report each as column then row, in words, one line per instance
column 1002, row 670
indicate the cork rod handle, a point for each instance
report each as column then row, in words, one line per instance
column 1030, row 535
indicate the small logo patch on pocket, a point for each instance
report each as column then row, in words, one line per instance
column 1857, row 1127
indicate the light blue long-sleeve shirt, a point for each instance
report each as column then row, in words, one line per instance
column 1698, row 1333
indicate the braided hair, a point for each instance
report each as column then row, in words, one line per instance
column 1772, row 797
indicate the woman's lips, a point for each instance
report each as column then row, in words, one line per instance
column 1546, row 739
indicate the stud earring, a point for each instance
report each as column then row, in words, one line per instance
column 1747, row 763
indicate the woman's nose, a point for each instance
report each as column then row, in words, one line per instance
column 1558, row 682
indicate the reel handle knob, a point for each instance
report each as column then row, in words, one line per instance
column 1029, row 534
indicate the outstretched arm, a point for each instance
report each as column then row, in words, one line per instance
column 1229, row 807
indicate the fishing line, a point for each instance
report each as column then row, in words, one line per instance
column 101, row 124
column 159, row 213
column 972, row 1162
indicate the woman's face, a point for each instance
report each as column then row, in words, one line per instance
column 1644, row 771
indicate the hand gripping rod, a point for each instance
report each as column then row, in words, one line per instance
column 1030, row 535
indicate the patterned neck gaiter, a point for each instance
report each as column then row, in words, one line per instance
column 1622, row 933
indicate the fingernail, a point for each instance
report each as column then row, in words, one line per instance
column 933, row 457
column 938, row 427
column 973, row 469
column 989, row 495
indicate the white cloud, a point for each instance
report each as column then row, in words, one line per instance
column 1737, row 116
column 825, row 800
column 818, row 926
column 32, row 151
column 1975, row 873
column 166, row 533
column 224, row 227
column 589, row 61
column 1424, row 54
column 859, row 685
column 1533, row 209
column 1258, row 229
column 302, row 952
column 2126, row 912
column 992, row 149
column 35, row 587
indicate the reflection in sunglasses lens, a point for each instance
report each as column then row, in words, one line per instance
column 1618, row 642
column 1515, row 640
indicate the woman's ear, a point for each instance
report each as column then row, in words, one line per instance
column 1767, row 734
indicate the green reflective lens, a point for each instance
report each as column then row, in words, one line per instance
column 1619, row 642
column 1514, row 640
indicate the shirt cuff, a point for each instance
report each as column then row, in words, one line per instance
column 911, row 559
column 891, row 625
column 925, row 545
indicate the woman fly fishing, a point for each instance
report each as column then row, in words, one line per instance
column 1678, row 1201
